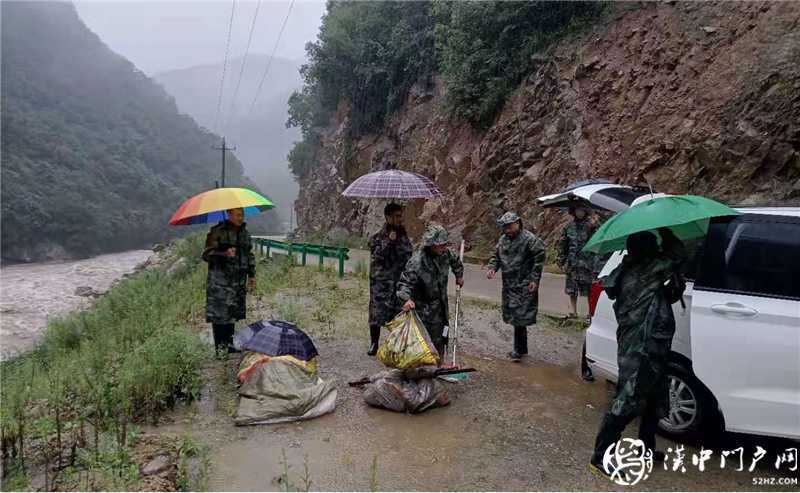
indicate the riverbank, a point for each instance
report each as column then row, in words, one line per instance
column 71, row 408
column 32, row 294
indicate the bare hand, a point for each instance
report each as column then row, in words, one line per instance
column 532, row 287
column 460, row 282
column 409, row 305
column 392, row 235
column 251, row 284
column 230, row 252
column 491, row 273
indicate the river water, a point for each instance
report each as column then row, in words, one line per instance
column 30, row 294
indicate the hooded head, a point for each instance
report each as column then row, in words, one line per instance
column 642, row 245
column 435, row 238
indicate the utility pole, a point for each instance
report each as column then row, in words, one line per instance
column 224, row 148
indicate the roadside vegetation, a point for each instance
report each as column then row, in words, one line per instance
column 70, row 409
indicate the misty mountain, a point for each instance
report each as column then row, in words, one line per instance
column 259, row 132
column 96, row 156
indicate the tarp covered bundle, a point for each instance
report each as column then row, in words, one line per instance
column 278, row 376
column 410, row 391
column 281, row 389
column 408, row 344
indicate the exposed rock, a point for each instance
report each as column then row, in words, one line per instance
column 158, row 464
column 654, row 100
column 709, row 29
column 177, row 267
column 87, row 292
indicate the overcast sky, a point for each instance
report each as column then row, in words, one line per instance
column 162, row 35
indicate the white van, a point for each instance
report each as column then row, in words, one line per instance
column 735, row 360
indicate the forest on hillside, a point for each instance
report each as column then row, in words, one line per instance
column 369, row 54
column 96, row 156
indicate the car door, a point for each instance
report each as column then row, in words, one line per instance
column 745, row 322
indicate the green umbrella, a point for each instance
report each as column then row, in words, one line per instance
column 686, row 215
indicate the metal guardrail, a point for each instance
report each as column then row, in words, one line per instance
column 266, row 245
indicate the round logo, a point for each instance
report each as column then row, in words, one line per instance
column 628, row 461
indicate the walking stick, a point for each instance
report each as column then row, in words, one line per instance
column 458, row 308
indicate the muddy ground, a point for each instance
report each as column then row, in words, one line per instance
column 528, row 426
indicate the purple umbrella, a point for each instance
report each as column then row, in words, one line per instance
column 393, row 184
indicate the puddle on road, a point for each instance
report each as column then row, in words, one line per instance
column 455, row 448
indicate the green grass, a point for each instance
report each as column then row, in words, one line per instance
column 95, row 373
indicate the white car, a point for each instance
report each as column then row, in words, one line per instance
column 735, row 360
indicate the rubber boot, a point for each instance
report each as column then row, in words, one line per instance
column 521, row 340
column 374, row 336
column 223, row 337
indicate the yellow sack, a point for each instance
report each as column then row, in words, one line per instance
column 252, row 360
column 408, row 344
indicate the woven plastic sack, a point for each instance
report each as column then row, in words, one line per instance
column 281, row 390
column 408, row 344
column 251, row 361
column 393, row 390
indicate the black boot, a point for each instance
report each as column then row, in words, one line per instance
column 374, row 336
column 586, row 371
column 521, row 340
column 223, row 337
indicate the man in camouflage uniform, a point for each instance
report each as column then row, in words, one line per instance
column 423, row 284
column 520, row 255
column 580, row 267
column 231, row 272
column 390, row 250
column 646, row 324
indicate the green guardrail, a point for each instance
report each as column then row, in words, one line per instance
column 266, row 245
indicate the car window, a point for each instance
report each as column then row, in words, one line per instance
column 754, row 255
column 694, row 252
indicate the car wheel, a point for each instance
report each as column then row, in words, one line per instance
column 691, row 407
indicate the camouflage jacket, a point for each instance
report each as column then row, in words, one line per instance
column 424, row 280
column 646, row 325
column 387, row 260
column 520, row 260
column 581, row 266
column 226, row 287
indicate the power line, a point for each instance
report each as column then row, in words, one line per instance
column 269, row 62
column 244, row 61
column 224, row 66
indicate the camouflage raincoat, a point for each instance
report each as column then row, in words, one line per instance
column 521, row 261
column 646, row 325
column 424, row 280
column 226, row 289
column 387, row 260
column 580, row 267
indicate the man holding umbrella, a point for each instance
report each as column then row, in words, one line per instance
column 520, row 255
column 644, row 286
column 390, row 250
column 423, row 284
column 231, row 273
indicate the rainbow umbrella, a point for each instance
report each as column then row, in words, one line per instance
column 210, row 207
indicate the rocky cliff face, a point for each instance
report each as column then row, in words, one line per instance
column 699, row 98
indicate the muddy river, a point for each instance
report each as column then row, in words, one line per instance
column 30, row 294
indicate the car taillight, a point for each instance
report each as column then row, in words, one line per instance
column 594, row 295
